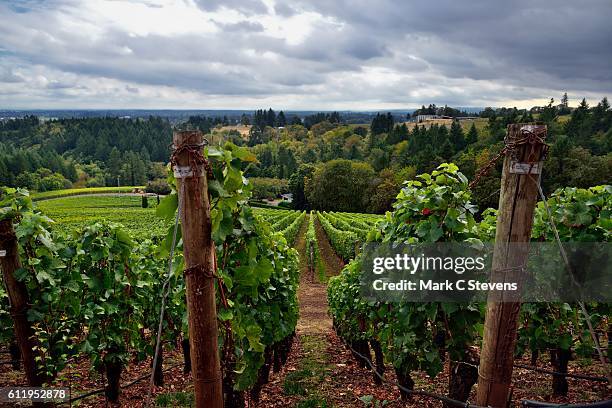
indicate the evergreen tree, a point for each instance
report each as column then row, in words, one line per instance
column 447, row 151
column 270, row 118
column 260, row 119
column 334, row 117
column 440, row 135
column 472, row 136
column 6, row 178
column 600, row 116
column 381, row 124
column 456, row 136
column 565, row 100
column 578, row 128
column 134, row 170
column 398, row 134
column 296, row 186
column 549, row 112
column 144, row 154
column 255, row 136
column 115, row 162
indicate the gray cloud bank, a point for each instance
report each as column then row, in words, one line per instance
column 346, row 54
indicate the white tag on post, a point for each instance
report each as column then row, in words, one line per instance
column 525, row 168
column 185, row 172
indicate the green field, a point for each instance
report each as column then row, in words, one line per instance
column 73, row 212
column 80, row 191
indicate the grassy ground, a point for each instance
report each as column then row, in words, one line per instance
column 74, row 212
column 80, row 191
column 311, row 372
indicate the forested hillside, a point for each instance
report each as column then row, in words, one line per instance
column 88, row 152
column 326, row 163
column 339, row 167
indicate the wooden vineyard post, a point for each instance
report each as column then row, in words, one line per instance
column 18, row 299
column 198, row 251
column 518, row 197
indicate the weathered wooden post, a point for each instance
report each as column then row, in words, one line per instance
column 18, row 299
column 518, row 197
column 198, row 251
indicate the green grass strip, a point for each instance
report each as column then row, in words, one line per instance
column 47, row 195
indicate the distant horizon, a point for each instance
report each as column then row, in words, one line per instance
column 233, row 110
column 360, row 110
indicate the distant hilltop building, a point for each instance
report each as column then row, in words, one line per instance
column 425, row 118
column 47, row 119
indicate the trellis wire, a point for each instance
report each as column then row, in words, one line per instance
column 545, row 371
column 537, row 404
column 101, row 390
column 165, row 291
column 568, row 266
column 461, row 404
column 551, row 221
column 424, row 393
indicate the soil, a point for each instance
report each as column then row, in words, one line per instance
column 312, row 295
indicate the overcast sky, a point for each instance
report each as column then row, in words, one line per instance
column 299, row 54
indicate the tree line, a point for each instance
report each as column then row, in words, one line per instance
column 90, row 152
column 115, row 151
column 445, row 110
column 326, row 164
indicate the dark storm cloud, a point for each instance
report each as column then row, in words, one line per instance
column 508, row 40
column 334, row 45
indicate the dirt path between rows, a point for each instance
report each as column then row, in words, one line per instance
column 332, row 262
column 312, row 295
column 320, row 371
